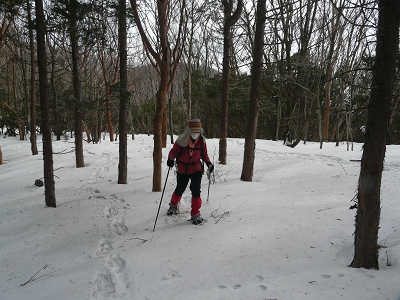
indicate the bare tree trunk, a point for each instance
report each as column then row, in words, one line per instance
column 1, row 157
column 331, row 61
column 171, row 129
column 307, row 21
column 108, row 112
column 123, row 92
column 100, row 124
column 25, row 105
column 278, row 118
column 8, row 79
column 229, row 20
column 57, row 129
column 258, row 50
column 164, row 129
column 76, row 84
column 319, row 114
column 189, row 69
column 32, row 86
column 50, row 196
column 339, row 124
column 327, row 105
column 224, row 100
column 86, row 129
column 20, row 122
column 308, row 114
column 347, row 130
column 369, row 184
column 158, row 119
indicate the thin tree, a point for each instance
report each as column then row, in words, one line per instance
column 50, row 196
column 109, row 62
column 335, row 31
column 369, row 184
column 122, row 37
column 73, row 33
column 254, row 103
column 306, row 27
column 189, row 55
column 229, row 20
column 32, row 86
column 11, row 10
column 53, row 89
column 165, row 60
column 170, row 121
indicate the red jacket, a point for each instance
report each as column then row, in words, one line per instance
column 189, row 164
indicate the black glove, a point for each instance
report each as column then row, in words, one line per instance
column 170, row 163
column 210, row 167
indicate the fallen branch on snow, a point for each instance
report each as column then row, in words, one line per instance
column 138, row 238
column 34, row 276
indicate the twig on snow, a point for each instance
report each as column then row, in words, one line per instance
column 138, row 238
column 34, row 276
column 63, row 152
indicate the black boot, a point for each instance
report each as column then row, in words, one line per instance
column 197, row 219
column 173, row 209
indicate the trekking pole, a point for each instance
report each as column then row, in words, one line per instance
column 209, row 183
column 162, row 195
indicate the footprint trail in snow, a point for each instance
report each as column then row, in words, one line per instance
column 112, row 280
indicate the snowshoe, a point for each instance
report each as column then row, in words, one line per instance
column 197, row 219
column 173, row 209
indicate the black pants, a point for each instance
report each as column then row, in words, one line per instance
column 183, row 180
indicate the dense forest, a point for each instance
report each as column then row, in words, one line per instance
column 315, row 81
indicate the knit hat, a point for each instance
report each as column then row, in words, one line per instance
column 195, row 125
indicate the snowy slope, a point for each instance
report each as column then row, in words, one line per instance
column 286, row 235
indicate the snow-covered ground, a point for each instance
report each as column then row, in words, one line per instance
column 286, row 235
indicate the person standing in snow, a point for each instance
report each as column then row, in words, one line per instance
column 189, row 151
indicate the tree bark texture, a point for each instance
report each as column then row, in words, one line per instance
column 164, row 128
column 76, row 84
column 25, row 103
column 56, row 117
column 108, row 112
column 50, row 196
column 158, row 120
column 171, row 127
column 278, row 118
column 369, row 184
column 229, row 20
column 123, row 93
column 32, row 123
column 189, row 69
column 254, row 106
